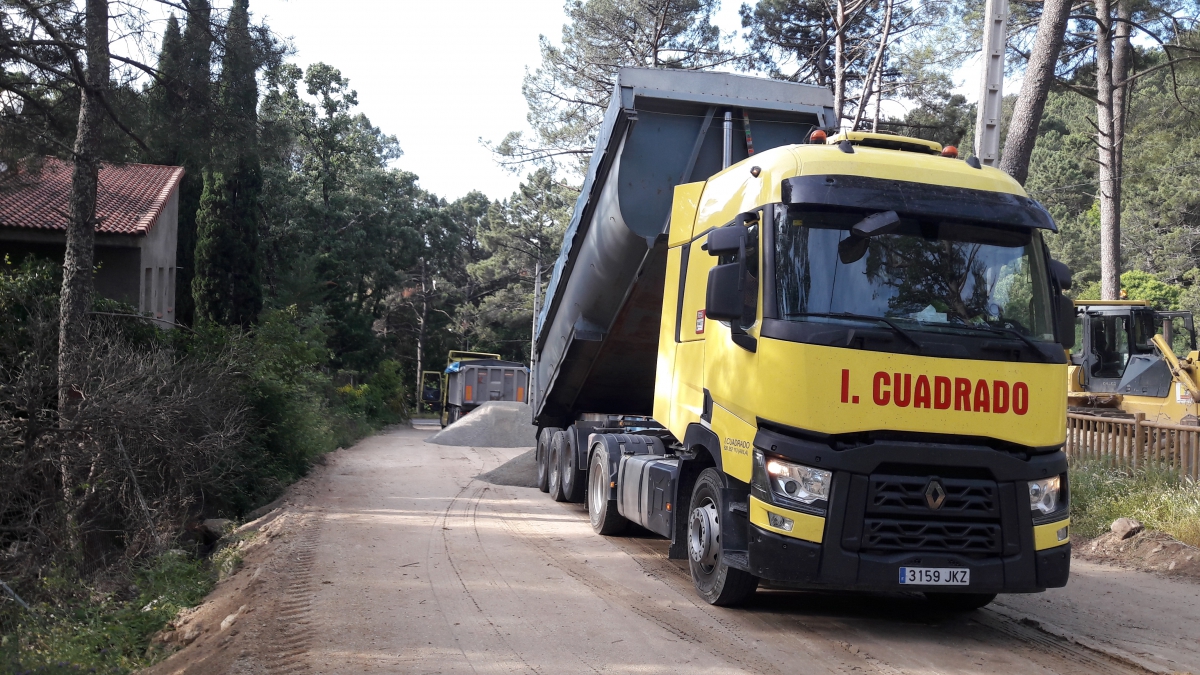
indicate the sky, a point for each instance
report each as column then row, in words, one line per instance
column 438, row 80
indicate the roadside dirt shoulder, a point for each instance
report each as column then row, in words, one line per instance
column 1147, row 551
column 244, row 616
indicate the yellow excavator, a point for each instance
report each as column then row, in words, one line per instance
column 1129, row 358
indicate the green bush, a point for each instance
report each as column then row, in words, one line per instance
column 1161, row 500
column 91, row 628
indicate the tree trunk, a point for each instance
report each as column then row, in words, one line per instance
column 1121, row 64
column 839, row 63
column 874, row 79
column 1035, row 88
column 1110, row 217
column 76, row 299
column 421, row 321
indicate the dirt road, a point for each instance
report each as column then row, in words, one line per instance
column 404, row 563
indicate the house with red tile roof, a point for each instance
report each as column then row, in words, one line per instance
column 137, row 214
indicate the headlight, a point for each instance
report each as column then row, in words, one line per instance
column 1044, row 494
column 796, row 481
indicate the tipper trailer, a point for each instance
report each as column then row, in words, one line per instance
column 819, row 364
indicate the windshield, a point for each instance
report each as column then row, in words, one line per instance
column 927, row 275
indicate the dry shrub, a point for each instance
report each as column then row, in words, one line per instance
column 155, row 432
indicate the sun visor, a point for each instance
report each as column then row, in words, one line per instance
column 917, row 199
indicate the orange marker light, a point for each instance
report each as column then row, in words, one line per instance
column 950, row 151
column 467, row 393
column 817, row 136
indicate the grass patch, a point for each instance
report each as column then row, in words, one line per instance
column 88, row 630
column 1161, row 500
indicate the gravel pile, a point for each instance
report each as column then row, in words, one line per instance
column 520, row 471
column 497, row 424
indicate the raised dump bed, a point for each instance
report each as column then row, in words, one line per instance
column 598, row 329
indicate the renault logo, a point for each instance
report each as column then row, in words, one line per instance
column 935, row 494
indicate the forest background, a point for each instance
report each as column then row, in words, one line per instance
column 317, row 281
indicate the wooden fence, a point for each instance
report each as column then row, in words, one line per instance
column 1133, row 443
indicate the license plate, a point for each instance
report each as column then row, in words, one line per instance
column 935, row 576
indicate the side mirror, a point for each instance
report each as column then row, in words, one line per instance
column 724, row 298
column 1062, row 275
column 1066, row 321
column 727, row 240
column 853, row 248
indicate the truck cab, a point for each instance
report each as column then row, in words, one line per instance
column 881, row 394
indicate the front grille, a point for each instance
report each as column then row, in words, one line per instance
column 906, row 496
column 882, row 534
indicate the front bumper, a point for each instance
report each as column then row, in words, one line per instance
column 1021, row 557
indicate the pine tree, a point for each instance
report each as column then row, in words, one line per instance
column 227, row 288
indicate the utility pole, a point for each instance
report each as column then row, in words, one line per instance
column 537, row 283
column 991, row 93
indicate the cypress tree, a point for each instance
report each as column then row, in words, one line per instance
column 194, row 137
column 166, row 100
column 227, row 288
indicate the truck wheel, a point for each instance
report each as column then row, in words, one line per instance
column 453, row 415
column 716, row 582
column 554, row 461
column 543, row 461
column 574, row 477
column 601, row 510
column 959, row 602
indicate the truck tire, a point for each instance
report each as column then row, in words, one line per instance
column 959, row 602
column 601, row 510
column 574, row 477
column 543, row 460
column 716, row 582
column 453, row 415
column 558, row 442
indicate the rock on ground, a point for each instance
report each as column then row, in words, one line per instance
column 496, row 424
column 1125, row 528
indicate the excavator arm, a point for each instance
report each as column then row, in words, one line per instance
column 1184, row 371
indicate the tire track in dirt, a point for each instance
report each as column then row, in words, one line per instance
column 529, row 628
column 1096, row 660
column 461, row 512
column 1054, row 652
column 287, row 653
column 720, row 637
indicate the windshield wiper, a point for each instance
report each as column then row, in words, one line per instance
column 865, row 317
column 1009, row 331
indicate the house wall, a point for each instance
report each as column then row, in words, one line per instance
column 156, row 270
column 116, row 265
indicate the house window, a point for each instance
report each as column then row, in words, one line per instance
column 160, row 306
column 148, row 291
column 171, row 293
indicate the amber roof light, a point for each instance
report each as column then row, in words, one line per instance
column 817, row 136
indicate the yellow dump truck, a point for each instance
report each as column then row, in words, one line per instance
column 814, row 363
column 1129, row 359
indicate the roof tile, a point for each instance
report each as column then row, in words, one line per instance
column 129, row 198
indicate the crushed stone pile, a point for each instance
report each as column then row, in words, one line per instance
column 496, row 424
column 520, row 471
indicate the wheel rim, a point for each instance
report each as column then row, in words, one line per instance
column 597, row 489
column 552, row 469
column 704, row 535
column 568, row 477
column 541, row 465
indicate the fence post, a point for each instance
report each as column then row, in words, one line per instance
column 1138, row 419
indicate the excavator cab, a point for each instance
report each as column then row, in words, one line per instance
column 1116, row 363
